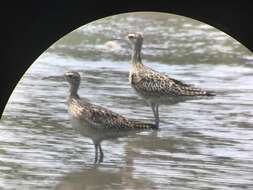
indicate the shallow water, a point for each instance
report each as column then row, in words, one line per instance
column 201, row 144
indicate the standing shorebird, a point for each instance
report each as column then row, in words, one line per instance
column 96, row 122
column 156, row 87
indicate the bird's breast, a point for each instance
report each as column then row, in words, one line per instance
column 134, row 78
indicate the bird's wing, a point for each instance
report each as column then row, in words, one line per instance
column 155, row 83
column 181, row 83
column 152, row 72
column 100, row 117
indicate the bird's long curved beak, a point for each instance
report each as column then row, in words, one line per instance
column 117, row 39
column 56, row 77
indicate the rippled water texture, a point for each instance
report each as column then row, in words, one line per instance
column 202, row 144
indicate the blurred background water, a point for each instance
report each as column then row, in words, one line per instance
column 202, row 144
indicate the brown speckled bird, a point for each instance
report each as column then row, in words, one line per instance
column 154, row 86
column 96, row 122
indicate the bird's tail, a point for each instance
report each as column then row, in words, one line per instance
column 137, row 124
column 210, row 93
column 189, row 91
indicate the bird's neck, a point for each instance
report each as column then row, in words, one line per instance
column 136, row 55
column 73, row 91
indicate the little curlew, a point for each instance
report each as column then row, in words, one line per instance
column 96, row 122
column 154, row 86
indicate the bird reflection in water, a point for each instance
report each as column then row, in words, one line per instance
column 103, row 177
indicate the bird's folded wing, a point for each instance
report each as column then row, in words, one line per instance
column 159, row 84
column 156, row 84
column 103, row 118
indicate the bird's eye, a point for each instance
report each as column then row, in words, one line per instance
column 130, row 37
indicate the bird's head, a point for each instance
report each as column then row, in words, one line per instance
column 72, row 77
column 135, row 38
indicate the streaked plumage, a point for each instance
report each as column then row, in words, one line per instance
column 101, row 118
column 96, row 122
column 154, row 86
column 150, row 83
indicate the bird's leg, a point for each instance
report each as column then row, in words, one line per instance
column 153, row 109
column 96, row 153
column 101, row 153
column 157, row 115
column 155, row 112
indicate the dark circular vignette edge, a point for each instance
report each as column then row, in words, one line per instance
column 42, row 24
